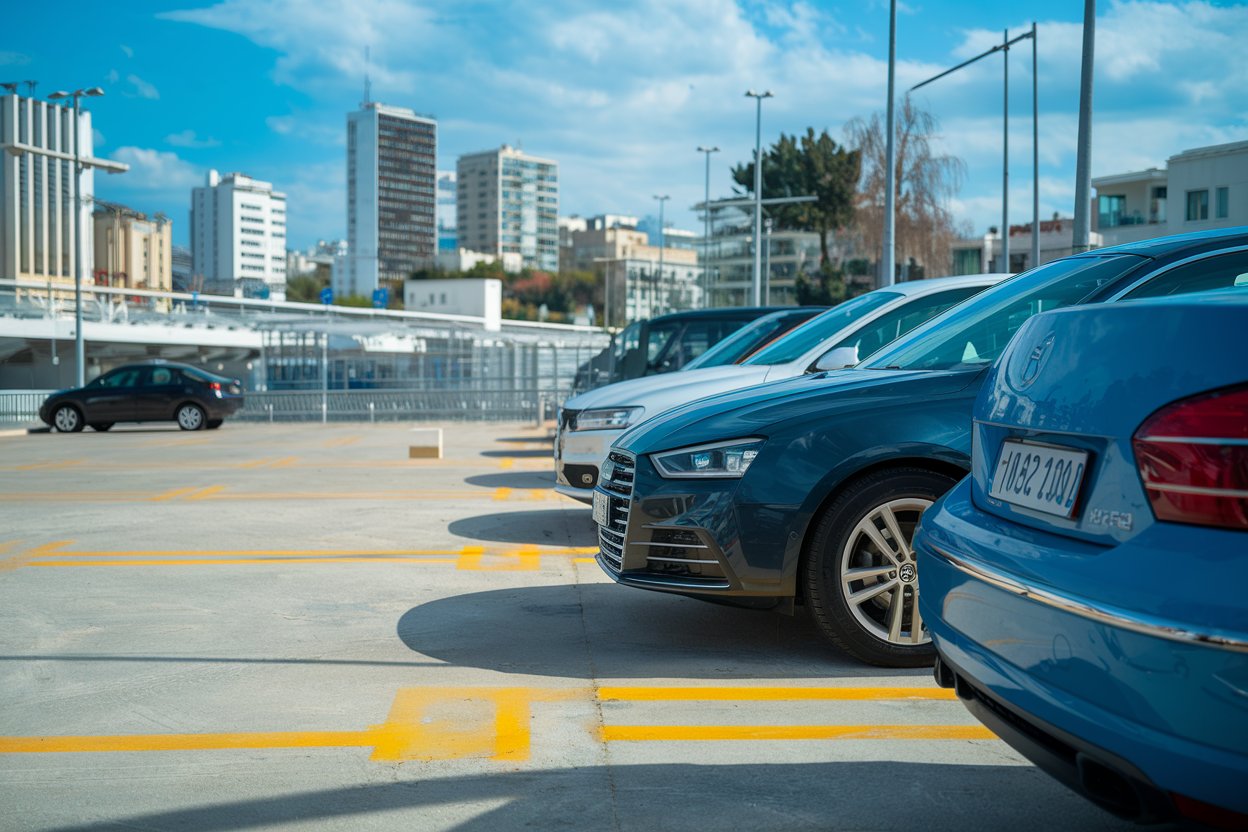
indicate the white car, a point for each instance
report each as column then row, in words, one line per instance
column 840, row 337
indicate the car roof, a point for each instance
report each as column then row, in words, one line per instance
column 934, row 284
column 1180, row 244
column 729, row 312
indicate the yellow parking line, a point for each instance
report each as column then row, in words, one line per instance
column 49, row 466
column 771, row 694
column 206, row 493
column 170, row 495
column 506, row 463
column 237, row 561
column 218, row 493
column 704, row 733
column 502, row 493
column 341, row 442
column 256, row 463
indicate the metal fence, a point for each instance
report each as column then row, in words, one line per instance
column 498, row 405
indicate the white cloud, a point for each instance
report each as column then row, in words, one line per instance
column 188, row 139
column 310, row 129
column 141, row 88
column 13, row 59
column 113, row 76
column 156, row 170
column 127, row 50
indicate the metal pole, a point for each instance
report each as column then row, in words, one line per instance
column 1005, row 159
column 662, row 242
column 1083, row 159
column 706, row 229
column 888, row 256
column 757, row 294
column 1035, row 155
column 767, row 265
column 80, row 351
column 325, row 377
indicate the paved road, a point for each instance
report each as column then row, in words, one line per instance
column 302, row 628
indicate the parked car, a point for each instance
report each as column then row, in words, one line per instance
column 808, row 490
column 155, row 392
column 1084, row 587
column 752, row 337
column 590, row 422
column 663, row 344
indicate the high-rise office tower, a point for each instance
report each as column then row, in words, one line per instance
column 509, row 204
column 238, row 236
column 391, row 198
column 37, row 190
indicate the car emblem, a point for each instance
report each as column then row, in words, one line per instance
column 907, row 573
column 1035, row 362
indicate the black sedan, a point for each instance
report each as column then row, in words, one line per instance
column 163, row 392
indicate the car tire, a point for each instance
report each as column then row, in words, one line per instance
column 67, row 419
column 101, row 426
column 852, row 584
column 190, row 417
column 213, row 424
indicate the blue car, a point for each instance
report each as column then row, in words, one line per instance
column 808, row 491
column 1087, row 586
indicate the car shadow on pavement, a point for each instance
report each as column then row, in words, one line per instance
column 525, row 453
column 571, row 526
column 527, row 440
column 514, row 479
column 600, row 630
column 674, row 797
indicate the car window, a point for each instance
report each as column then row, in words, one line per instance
column 125, row 377
column 629, row 339
column 897, row 322
column 159, row 376
column 809, row 335
column 1225, row 271
column 734, row 346
column 696, row 339
column 974, row 333
column 660, row 336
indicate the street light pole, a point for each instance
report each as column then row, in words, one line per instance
column 1005, row 160
column 1035, row 155
column 79, row 343
column 706, row 229
column 1083, row 155
column 758, row 195
column 888, row 256
column 662, row 199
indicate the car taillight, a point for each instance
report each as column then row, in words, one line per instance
column 214, row 385
column 1193, row 458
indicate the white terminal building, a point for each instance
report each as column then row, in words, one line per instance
column 37, row 191
column 392, row 185
column 238, row 236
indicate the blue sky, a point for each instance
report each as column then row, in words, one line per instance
column 620, row 94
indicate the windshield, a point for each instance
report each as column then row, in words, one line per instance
column 813, row 333
column 974, row 333
column 747, row 339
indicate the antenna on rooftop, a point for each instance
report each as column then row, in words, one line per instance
column 30, row 87
column 368, row 86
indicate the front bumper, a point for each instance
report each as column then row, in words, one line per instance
column 1126, row 708
column 685, row 536
column 578, row 459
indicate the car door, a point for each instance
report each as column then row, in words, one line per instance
column 158, row 390
column 113, row 397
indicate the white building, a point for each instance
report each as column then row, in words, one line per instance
column 391, row 198
column 447, row 215
column 508, row 202
column 1200, row 189
column 478, row 297
column 238, row 236
column 37, row 191
column 982, row 255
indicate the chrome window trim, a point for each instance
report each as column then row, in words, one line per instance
column 1122, row 293
column 1154, row 626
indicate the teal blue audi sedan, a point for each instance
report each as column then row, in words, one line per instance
column 1085, row 586
column 808, row 491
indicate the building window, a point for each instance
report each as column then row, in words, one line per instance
column 1223, row 203
column 1110, row 210
column 1197, row 205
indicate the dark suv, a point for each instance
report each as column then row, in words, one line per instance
column 157, row 392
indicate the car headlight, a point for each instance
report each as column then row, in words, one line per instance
column 613, row 418
column 719, row 459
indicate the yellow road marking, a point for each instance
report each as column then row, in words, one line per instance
column 446, row 723
column 702, row 733
column 584, row 560
column 169, row 495
column 255, row 463
column 236, row 561
column 286, row 462
column 206, row 493
column 50, row 466
column 341, row 442
column 507, row 463
column 502, row 493
column 748, row 694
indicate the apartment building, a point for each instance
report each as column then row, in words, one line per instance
column 508, row 203
column 132, row 250
column 238, row 236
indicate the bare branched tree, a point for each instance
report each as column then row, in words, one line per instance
column 925, row 230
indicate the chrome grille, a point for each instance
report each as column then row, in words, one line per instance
column 617, row 479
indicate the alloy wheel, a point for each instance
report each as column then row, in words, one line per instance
column 879, row 576
column 190, row 417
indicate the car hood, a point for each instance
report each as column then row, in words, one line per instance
column 657, row 393
column 755, row 411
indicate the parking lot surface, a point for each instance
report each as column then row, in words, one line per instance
column 300, row 627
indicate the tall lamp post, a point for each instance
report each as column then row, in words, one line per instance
column 706, row 229
column 79, row 345
column 662, row 199
column 758, row 194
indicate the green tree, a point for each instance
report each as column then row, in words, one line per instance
column 305, row 288
column 814, row 165
column 825, row 287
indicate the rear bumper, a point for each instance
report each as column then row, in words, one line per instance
column 1124, row 708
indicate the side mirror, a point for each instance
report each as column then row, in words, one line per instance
column 837, row 359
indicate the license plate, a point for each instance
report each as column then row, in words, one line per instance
column 1042, row 477
column 600, row 508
